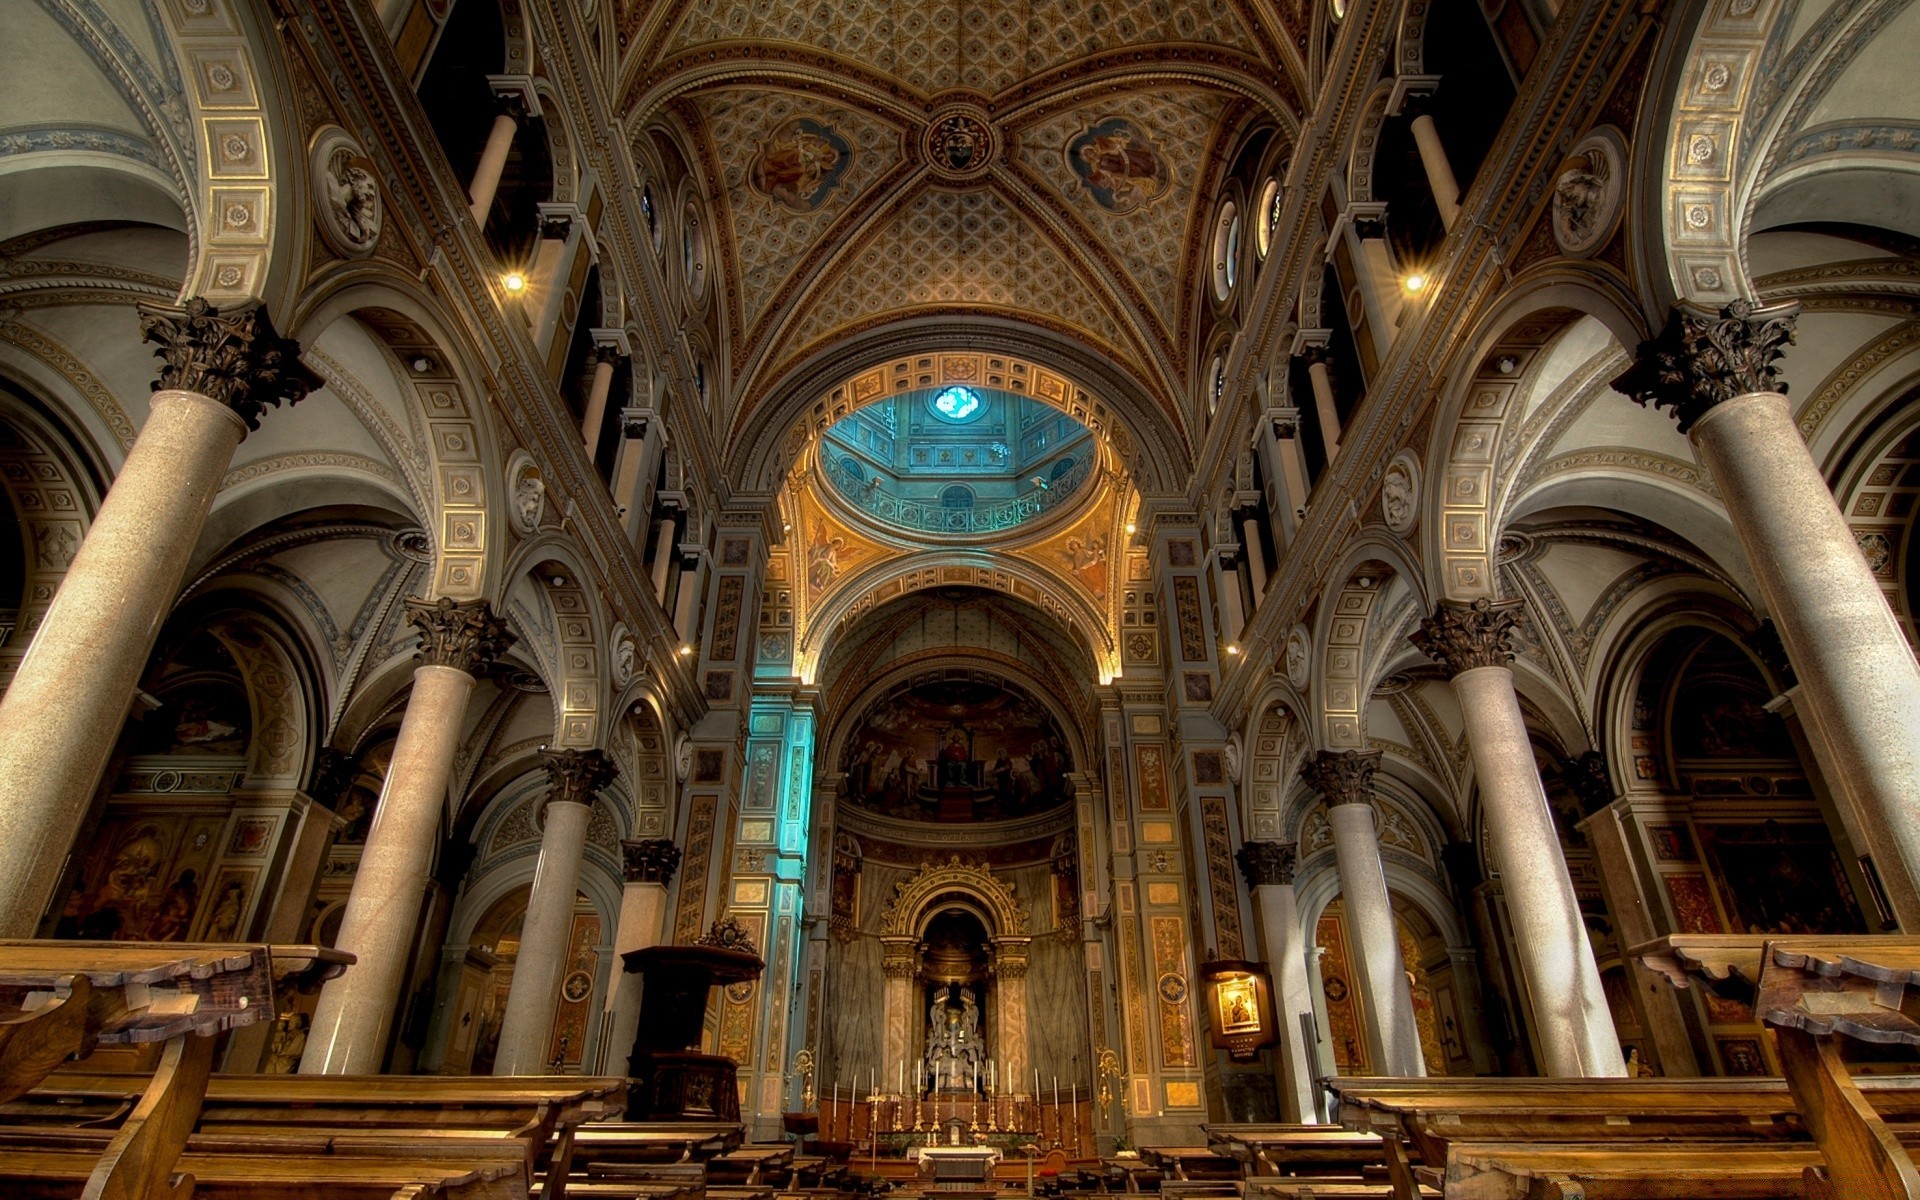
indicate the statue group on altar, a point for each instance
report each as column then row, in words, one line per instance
column 955, row 1049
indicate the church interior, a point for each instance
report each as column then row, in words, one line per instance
column 699, row 600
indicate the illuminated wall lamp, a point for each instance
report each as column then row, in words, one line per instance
column 1240, row 1001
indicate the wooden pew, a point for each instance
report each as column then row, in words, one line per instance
column 63, row 999
column 1294, row 1149
column 1184, row 1164
column 751, row 1166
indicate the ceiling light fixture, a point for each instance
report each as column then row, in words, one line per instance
column 1415, row 283
column 515, row 282
column 686, row 648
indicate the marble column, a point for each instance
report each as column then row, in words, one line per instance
column 1859, row 686
column 493, row 157
column 350, row 1025
column 1256, row 556
column 1320, row 379
column 62, row 714
column 1573, row 1027
column 649, row 867
column 606, row 357
column 1268, row 868
column 1433, row 157
column 1346, row 780
column 1008, row 1042
column 900, row 962
column 574, row 778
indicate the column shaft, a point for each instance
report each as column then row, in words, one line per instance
column 1574, row 1030
column 662, row 556
column 1232, row 614
column 1858, row 677
column 1380, row 291
column 1393, row 1040
column 1433, row 156
column 1286, row 947
column 493, row 163
column 349, row 1033
column 597, row 404
column 1256, row 557
column 528, row 1021
column 1324, row 407
column 61, row 717
column 643, row 916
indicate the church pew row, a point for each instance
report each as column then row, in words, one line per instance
column 60, row 1174
column 1635, row 1139
column 358, row 1133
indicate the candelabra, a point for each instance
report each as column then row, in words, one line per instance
column 803, row 1063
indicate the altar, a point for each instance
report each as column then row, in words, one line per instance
column 957, row 1168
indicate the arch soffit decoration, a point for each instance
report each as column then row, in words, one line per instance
column 461, row 443
column 1038, row 588
column 914, row 897
column 573, row 659
column 1339, row 690
column 1142, row 431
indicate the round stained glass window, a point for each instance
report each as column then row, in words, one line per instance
column 958, row 404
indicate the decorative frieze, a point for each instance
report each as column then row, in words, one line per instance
column 651, row 860
column 466, row 637
column 1342, row 776
column 1461, row 637
column 235, row 357
column 1267, row 864
column 1702, row 359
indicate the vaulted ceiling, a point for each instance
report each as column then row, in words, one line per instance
column 871, row 162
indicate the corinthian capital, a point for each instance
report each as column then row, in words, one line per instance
column 575, row 776
column 1702, row 359
column 1342, row 776
column 466, row 637
column 651, row 860
column 1267, row 863
column 235, row 358
column 1461, row 637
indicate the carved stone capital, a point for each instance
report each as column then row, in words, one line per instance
column 899, row 957
column 235, row 357
column 1267, row 863
column 1315, row 352
column 576, row 776
column 652, row 860
column 1461, row 637
column 1342, row 776
column 466, row 637
column 1010, row 958
column 1702, row 359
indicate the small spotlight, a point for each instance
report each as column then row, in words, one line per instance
column 1507, row 364
column 1132, row 529
column 686, row 648
column 514, row 282
column 1233, row 647
column 558, row 581
column 1415, row 283
column 422, row 365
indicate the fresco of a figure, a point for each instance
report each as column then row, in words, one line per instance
column 800, row 163
column 1119, row 165
column 957, row 750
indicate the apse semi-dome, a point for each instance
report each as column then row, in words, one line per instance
column 957, row 461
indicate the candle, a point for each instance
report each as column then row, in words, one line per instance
column 872, row 1087
column 900, row 1076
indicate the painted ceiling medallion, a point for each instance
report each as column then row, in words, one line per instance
column 800, row 163
column 960, row 143
column 1119, row 165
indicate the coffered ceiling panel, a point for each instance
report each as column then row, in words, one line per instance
column 1160, row 139
column 791, row 166
column 945, row 45
column 948, row 251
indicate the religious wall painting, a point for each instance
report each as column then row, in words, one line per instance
column 1337, row 991
column 726, row 619
column 800, row 163
column 957, row 750
column 1777, row 877
column 209, row 718
column 1186, row 600
column 1119, row 165
column 143, row 878
column 1150, row 761
column 227, row 905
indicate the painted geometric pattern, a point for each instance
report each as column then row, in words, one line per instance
column 769, row 238
column 948, row 248
column 1150, row 241
column 934, row 47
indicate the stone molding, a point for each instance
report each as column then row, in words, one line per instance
column 651, row 860
column 1342, row 776
column 1461, row 637
column 1267, row 864
column 466, row 637
column 1702, row 359
column 236, row 359
column 576, row 776
column 899, row 957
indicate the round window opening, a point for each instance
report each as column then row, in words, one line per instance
column 958, row 404
column 1269, row 218
column 1226, row 251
